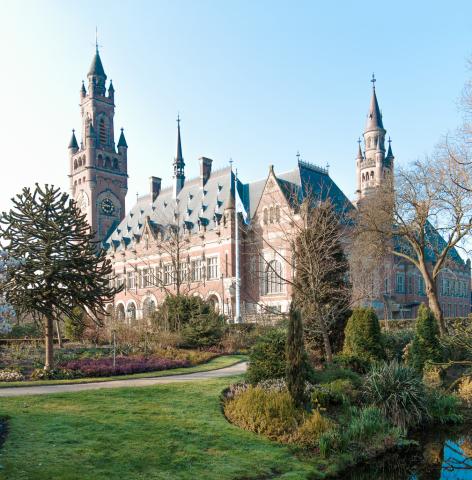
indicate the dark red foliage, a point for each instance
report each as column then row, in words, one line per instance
column 103, row 367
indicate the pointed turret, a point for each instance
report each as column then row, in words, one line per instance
column 83, row 92
column 374, row 117
column 111, row 91
column 97, row 76
column 122, row 140
column 73, row 145
column 359, row 151
column 390, row 157
column 179, row 164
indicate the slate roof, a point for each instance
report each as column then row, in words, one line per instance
column 196, row 206
column 96, row 67
column 374, row 117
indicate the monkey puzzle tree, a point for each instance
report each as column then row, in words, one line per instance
column 60, row 266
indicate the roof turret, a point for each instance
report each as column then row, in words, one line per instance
column 374, row 117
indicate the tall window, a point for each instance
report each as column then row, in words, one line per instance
column 266, row 216
column 400, row 283
column 149, row 307
column 183, row 272
column 197, row 269
column 168, row 274
column 131, row 311
column 120, row 312
column 103, row 132
column 212, row 268
column 420, row 286
column 274, row 282
column 147, row 277
column 130, row 279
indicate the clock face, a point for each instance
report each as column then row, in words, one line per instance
column 107, row 206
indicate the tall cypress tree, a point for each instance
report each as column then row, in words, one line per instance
column 60, row 265
column 296, row 357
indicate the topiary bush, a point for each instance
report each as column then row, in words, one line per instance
column 269, row 413
column 267, row 357
column 398, row 392
column 425, row 346
column 362, row 336
column 75, row 328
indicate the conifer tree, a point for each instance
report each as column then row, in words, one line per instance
column 425, row 346
column 296, row 357
column 363, row 337
column 60, row 265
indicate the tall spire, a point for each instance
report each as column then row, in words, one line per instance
column 73, row 142
column 179, row 164
column 374, row 117
column 122, row 140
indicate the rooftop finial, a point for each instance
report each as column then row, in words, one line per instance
column 389, row 140
column 373, row 80
column 298, row 155
column 96, row 38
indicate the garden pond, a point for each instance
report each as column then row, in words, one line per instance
column 441, row 455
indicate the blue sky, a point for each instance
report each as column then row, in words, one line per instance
column 253, row 80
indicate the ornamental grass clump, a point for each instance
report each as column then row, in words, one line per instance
column 269, row 413
column 310, row 431
column 398, row 392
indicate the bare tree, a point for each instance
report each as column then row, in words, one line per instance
column 421, row 217
column 307, row 237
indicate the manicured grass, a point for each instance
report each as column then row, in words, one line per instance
column 162, row 432
column 214, row 364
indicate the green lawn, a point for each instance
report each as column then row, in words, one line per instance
column 214, row 364
column 162, row 432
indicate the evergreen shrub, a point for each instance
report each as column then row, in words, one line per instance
column 425, row 346
column 267, row 357
column 362, row 336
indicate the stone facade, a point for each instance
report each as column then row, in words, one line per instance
column 182, row 238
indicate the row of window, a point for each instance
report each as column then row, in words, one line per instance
column 368, row 176
column 106, row 162
column 453, row 288
column 271, row 214
column 455, row 310
column 194, row 271
column 413, row 284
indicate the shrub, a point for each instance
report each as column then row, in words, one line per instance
column 267, row 357
column 10, row 375
column 465, row 391
column 351, row 362
column 330, row 442
column 308, row 434
column 177, row 310
column 398, row 392
column 205, row 330
column 433, row 375
column 443, row 408
column 31, row 330
column 333, row 372
column 395, row 343
column 103, row 367
column 268, row 413
column 425, row 346
column 362, row 336
column 336, row 392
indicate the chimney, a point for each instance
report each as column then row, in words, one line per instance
column 155, row 187
column 205, row 169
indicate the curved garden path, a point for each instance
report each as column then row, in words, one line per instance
column 236, row 369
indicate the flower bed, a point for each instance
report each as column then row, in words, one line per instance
column 103, row 367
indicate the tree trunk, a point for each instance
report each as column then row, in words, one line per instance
column 58, row 331
column 49, row 339
column 432, row 294
column 326, row 342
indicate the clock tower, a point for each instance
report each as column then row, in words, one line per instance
column 98, row 169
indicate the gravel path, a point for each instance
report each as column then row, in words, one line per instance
column 137, row 382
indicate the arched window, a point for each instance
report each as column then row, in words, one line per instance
column 107, row 162
column 75, row 164
column 274, row 282
column 363, row 177
column 368, row 143
column 131, row 311
column 100, row 160
column 372, row 174
column 102, row 132
column 277, row 213
column 120, row 312
column 115, row 164
column 266, row 216
column 271, row 215
column 149, row 307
